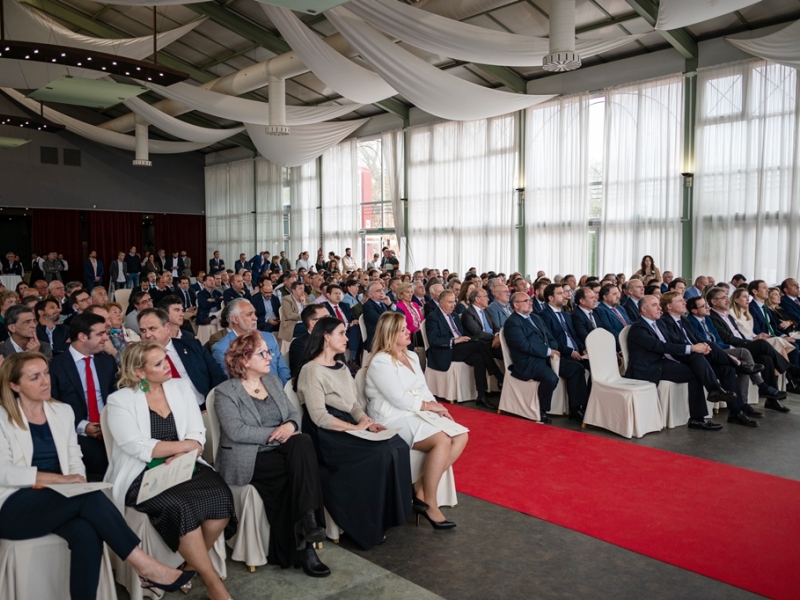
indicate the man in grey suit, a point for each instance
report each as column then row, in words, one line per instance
column 21, row 322
column 478, row 324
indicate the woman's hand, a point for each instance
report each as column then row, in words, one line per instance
column 282, row 433
column 54, row 478
column 365, row 423
column 174, row 456
column 376, row 427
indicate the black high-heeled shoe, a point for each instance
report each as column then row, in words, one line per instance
column 417, row 503
column 435, row 524
column 185, row 578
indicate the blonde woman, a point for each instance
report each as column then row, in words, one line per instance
column 153, row 419
column 785, row 322
column 38, row 447
column 397, row 391
column 412, row 312
column 740, row 311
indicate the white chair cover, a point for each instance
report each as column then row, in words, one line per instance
column 457, row 384
column 363, row 327
column 204, row 332
column 361, row 386
column 251, row 542
column 625, row 406
column 39, row 569
column 122, row 297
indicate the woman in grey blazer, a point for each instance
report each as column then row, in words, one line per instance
column 261, row 445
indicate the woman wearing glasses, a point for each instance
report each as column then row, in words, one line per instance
column 261, row 445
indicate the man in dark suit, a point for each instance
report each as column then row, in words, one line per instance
column 653, row 358
column 12, row 266
column 216, row 264
column 20, row 320
column 375, row 304
column 174, row 265
column 538, row 302
column 478, row 323
column 447, row 343
column 267, row 307
column 309, row 317
column 180, row 326
column 93, row 271
column 186, row 293
column 83, row 377
column 342, row 311
column 197, row 286
column 241, row 264
column 608, row 314
column 118, row 273
column 583, row 317
column 420, row 297
column 49, row 329
column 764, row 319
column 258, row 265
column 790, row 301
column 629, row 302
column 161, row 290
column 237, row 289
column 433, row 290
column 208, row 300
column 188, row 359
column 559, row 323
column 531, row 345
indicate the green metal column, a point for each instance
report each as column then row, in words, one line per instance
column 689, row 109
column 405, row 190
column 521, row 179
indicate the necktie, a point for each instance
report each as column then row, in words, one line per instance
column 91, row 393
column 185, row 300
column 175, row 374
column 453, row 326
column 766, row 318
column 591, row 318
column 619, row 316
column 661, row 337
column 684, row 332
column 339, row 314
column 486, row 326
column 733, row 327
column 570, row 343
column 709, row 336
column 797, row 300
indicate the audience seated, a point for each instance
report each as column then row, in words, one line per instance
column 412, row 308
column 629, row 301
column 309, row 317
column 181, row 327
column 341, row 311
column 700, row 284
column 375, row 303
column 152, row 419
column 20, row 320
column 478, row 323
column 139, row 301
column 500, row 308
column 764, row 319
column 267, row 306
column 79, row 301
column 583, row 316
column 49, row 329
column 559, row 323
column 236, row 289
column 292, row 305
column 209, row 300
column 608, row 314
column 434, row 291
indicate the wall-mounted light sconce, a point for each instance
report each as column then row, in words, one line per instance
column 688, row 180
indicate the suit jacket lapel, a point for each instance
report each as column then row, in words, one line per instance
column 24, row 440
column 75, row 378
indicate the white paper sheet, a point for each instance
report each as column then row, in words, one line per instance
column 374, row 437
column 69, row 490
column 447, row 426
column 165, row 476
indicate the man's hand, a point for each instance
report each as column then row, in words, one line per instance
column 461, row 339
column 701, row 348
column 496, row 341
column 576, row 356
column 93, row 430
column 274, row 322
column 33, row 345
column 554, row 352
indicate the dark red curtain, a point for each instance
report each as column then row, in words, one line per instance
column 58, row 231
column 111, row 232
column 182, row 232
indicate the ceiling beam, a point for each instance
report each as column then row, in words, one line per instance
column 680, row 39
column 607, row 23
column 241, row 26
column 395, row 107
column 508, row 77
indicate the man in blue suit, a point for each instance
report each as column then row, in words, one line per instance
column 258, row 265
column 611, row 317
column 583, row 315
column 559, row 322
column 447, row 343
column 375, row 304
column 208, row 300
column 700, row 284
column 764, row 320
column 790, row 301
column 241, row 320
column 531, row 345
column 267, row 307
column 241, row 264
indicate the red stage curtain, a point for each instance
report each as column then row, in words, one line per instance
column 60, row 231
column 182, row 232
column 111, row 232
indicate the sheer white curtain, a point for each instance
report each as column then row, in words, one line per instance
column 269, row 206
column 643, row 194
column 340, row 199
column 392, row 155
column 230, row 202
column 747, row 185
column 557, row 186
column 461, row 208
column 304, row 210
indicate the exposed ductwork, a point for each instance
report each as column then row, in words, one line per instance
column 562, row 55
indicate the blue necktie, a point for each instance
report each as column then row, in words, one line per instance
column 486, row 326
column 570, row 343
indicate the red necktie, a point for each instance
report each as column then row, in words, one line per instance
column 339, row 314
column 175, row 374
column 619, row 316
column 91, row 393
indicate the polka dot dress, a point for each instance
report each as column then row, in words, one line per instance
column 181, row 509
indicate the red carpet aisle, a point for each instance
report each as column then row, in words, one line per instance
column 731, row 524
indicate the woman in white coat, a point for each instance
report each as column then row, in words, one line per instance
column 397, row 391
column 153, row 419
column 39, row 447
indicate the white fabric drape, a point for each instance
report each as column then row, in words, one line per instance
column 747, row 184
column 557, row 186
column 334, row 70
column 673, row 14
column 340, row 199
column 303, row 144
column 178, row 128
column 643, row 193
column 447, row 37
column 230, row 202
column 304, row 231
column 102, row 136
column 427, row 87
column 461, row 207
column 246, row 111
column 393, row 158
column 781, row 47
column 269, row 206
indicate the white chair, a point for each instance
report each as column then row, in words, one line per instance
column 152, row 543
column 363, row 328
column 251, row 542
column 627, row 407
column 39, row 568
column 674, row 397
column 285, row 356
column 122, row 296
column 457, row 384
column 204, row 332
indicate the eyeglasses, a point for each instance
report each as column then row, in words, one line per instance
column 265, row 354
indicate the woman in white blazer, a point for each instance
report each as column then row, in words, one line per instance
column 39, row 447
column 397, row 391
column 152, row 419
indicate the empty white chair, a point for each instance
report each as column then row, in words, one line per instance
column 251, row 542
column 627, row 407
column 674, row 397
column 457, row 384
column 362, row 326
column 122, row 297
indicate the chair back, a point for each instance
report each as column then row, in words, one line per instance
column 212, row 433
column 292, row 395
column 285, row 356
column 363, row 327
column 623, row 345
column 361, row 387
column 424, row 335
column 281, row 315
column 602, row 356
column 506, row 352
column 121, row 297
column 107, row 439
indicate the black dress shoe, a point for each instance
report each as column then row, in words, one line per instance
column 721, row 395
column 750, row 369
column 751, row 412
column 705, row 424
column 545, row 420
column 767, row 391
column 775, row 405
column 741, row 419
column 312, row 565
column 483, row 401
column 576, row 415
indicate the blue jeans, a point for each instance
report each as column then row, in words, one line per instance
column 132, row 280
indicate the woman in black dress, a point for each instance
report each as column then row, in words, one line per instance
column 366, row 484
column 154, row 418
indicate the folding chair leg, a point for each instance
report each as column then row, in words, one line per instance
column 251, row 568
